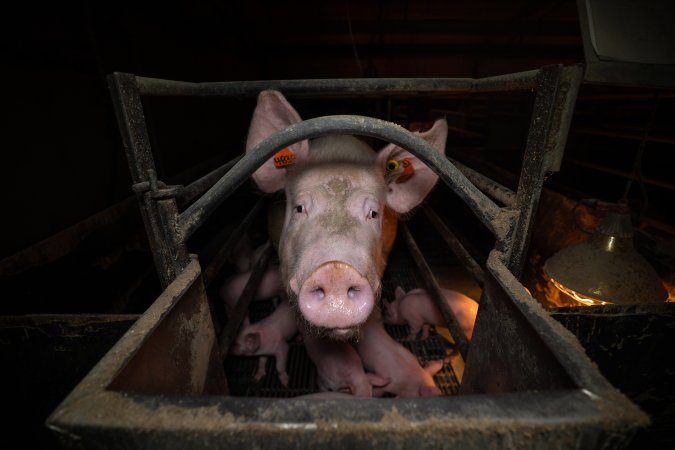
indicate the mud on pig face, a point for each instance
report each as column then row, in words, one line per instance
column 340, row 217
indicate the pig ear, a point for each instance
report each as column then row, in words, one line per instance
column 399, row 292
column 409, row 179
column 273, row 113
column 377, row 380
column 252, row 342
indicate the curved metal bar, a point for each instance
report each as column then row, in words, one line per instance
column 484, row 208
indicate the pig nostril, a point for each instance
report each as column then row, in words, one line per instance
column 320, row 294
column 352, row 292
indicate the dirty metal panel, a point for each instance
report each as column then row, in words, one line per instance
column 179, row 352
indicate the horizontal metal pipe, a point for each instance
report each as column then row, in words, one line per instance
column 194, row 216
column 495, row 190
column 345, row 86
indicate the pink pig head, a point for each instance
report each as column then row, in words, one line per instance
column 341, row 205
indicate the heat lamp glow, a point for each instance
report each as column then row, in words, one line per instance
column 584, row 300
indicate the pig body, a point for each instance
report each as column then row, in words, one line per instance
column 339, row 367
column 417, row 309
column 340, row 215
column 269, row 336
column 390, row 360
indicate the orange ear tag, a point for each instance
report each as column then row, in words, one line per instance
column 408, row 171
column 284, row 158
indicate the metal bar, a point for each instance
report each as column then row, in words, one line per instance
column 130, row 119
column 484, row 208
column 345, row 86
column 236, row 317
column 216, row 264
column 435, row 291
column 557, row 88
column 495, row 190
column 167, row 211
column 455, row 245
column 201, row 185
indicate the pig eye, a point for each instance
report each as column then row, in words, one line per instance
column 372, row 214
column 300, row 209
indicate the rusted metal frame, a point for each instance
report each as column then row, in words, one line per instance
column 434, row 290
column 169, row 261
column 129, row 112
column 495, row 190
column 455, row 245
column 236, row 317
column 557, row 89
column 344, row 86
column 216, row 264
column 484, row 208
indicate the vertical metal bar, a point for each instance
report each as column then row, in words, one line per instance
column 177, row 254
column 434, row 290
column 130, row 119
column 553, row 107
column 455, row 245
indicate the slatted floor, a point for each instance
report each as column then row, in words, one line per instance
column 301, row 371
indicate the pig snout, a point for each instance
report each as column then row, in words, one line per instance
column 336, row 296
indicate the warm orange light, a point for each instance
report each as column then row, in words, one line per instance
column 584, row 300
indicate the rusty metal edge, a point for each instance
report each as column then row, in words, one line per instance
column 564, row 346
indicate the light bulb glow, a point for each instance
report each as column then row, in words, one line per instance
column 584, row 300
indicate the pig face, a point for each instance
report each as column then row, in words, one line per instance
column 341, row 200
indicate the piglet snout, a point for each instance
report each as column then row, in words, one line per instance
column 336, row 296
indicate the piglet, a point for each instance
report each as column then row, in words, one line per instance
column 268, row 336
column 391, row 361
column 419, row 311
column 339, row 367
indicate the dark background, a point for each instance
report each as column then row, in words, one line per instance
column 71, row 239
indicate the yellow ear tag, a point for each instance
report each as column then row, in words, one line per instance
column 408, row 171
column 392, row 166
column 284, row 158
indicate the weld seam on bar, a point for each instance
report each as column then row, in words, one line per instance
column 485, row 209
column 356, row 86
column 434, row 290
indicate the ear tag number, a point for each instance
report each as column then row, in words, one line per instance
column 284, row 158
